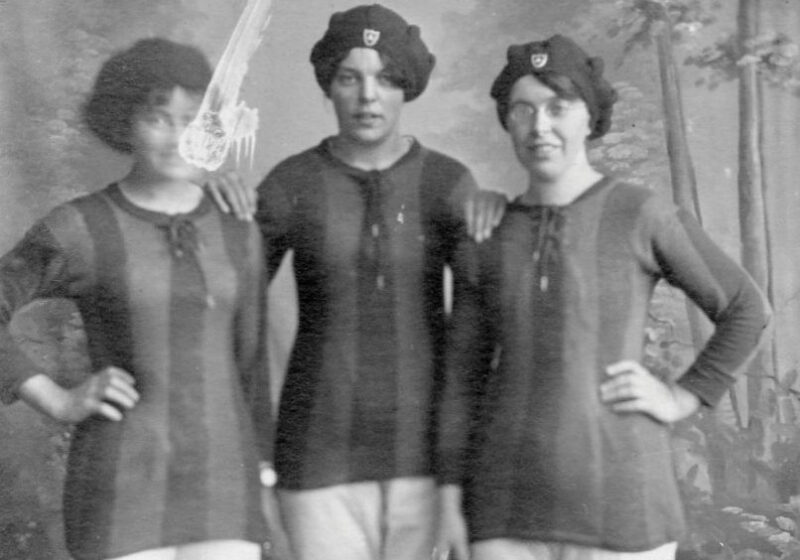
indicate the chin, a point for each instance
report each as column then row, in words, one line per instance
column 368, row 137
column 190, row 174
column 545, row 172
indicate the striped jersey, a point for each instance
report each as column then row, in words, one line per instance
column 178, row 302
column 540, row 310
column 369, row 254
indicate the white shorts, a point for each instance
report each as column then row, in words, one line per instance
column 207, row 550
column 387, row 520
column 513, row 549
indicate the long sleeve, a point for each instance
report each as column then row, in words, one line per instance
column 689, row 260
column 251, row 347
column 35, row 268
column 273, row 216
column 468, row 355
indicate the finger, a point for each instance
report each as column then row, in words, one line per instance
column 499, row 209
column 628, row 406
column 482, row 220
column 109, row 411
column 219, row 200
column 128, row 390
column 242, row 196
column 114, row 372
column 232, row 196
column 469, row 213
column 610, row 394
column 619, row 388
column 623, row 366
column 238, row 201
column 123, row 398
column 250, row 195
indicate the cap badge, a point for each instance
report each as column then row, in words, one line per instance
column 538, row 60
column 371, row 37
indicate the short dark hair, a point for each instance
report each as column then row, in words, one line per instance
column 131, row 80
column 326, row 71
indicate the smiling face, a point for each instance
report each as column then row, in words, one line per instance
column 367, row 99
column 548, row 131
column 155, row 132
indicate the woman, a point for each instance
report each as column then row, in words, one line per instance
column 171, row 424
column 569, row 452
column 372, row 217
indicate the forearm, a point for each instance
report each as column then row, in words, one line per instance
column 43, row 394
column 739, row 333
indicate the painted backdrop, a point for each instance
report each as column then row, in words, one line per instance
column 697, row 78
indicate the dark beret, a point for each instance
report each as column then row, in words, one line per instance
column 558, row 56
column 373, row 26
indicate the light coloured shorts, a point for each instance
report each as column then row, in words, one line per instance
column 513, row 549
column 207, row 550
column 387, row 520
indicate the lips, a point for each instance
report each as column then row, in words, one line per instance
column 366, row 118
column 542, row 150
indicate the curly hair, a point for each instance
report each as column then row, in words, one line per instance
column 132, row 79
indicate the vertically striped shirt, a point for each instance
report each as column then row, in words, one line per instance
column 540, row 310
column 369, row 253
column 178, row 302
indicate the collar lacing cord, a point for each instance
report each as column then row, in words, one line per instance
column 184, row 243
column 182, row 237
column 373, row 226
column 547, row 224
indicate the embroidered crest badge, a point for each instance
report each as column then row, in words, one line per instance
column 371, row 37
column 538, row 60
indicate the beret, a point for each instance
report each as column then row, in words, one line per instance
column 558, row 56
column 376, row 27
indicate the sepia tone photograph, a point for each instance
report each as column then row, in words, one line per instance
column 408, row 280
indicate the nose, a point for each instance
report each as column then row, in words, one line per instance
column 178, row 128
column 174, row 133
column 540, row 120
column 368, row 90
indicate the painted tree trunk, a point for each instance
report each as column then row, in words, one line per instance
column 682, row 176
column 753, row 225
column 685, row 195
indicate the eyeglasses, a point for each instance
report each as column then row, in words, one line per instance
column 523, row 113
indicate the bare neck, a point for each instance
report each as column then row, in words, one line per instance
column 165, row 196
column 370, row 157
column 562, row 190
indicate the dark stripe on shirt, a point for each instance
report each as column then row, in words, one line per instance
column 95, row 447
column 545, row 329
column 373, row 425
column 187, row 474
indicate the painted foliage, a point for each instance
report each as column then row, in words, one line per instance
column 709, row 114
